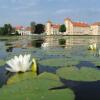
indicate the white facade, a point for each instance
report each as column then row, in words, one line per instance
column 95, row 29
column 76, row 28
column 23, row 30
column 52, row 29
column 72, row 28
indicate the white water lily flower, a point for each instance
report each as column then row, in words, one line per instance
column 19, row 63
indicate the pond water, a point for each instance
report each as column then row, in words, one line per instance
column 51, row 55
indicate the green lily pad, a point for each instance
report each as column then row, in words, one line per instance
column 2, row 62
column 21, row 77
column 57, row 51
column 36, row 89
column 58, row 62
column 48, row 76
column 97, row 63
column 83, row 74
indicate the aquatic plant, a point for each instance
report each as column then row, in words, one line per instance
column 56, row 62
column 21, row 64
column 82, row 74
column 2, row 62
column 36, row 89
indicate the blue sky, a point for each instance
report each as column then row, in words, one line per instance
column 22, row 12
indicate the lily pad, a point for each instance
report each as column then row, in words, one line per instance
column 48, row 76
column 21, row 77
column 2, row 62
column 97, row 63
column 83, row 74
column 56, row 52
column 36, row 89
column 58, row 62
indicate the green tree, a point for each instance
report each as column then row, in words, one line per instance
column 62, row 28
column 40, row 28
column 33, row 24
column 7, row 29
column 1, row 30
column 16, row 33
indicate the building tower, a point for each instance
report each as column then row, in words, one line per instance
column 48, row 28
column 69, row 26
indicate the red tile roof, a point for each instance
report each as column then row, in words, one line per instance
column 80, row 24
column 23, row 28
column 19, row 27
column 55, row 26
column 96, row 23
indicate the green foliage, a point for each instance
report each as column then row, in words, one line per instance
column 40, row 28
column 7, row 29
column 16, row 33
column 62, row 28
column 33, row 25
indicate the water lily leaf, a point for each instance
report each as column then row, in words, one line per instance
column 2, row 62
column 21, row 77
column 83, row 74
column 36, row 89
column 58, row 62
column 48, row 76
column 97, row 63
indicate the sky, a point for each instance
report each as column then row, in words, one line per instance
column 22, row 12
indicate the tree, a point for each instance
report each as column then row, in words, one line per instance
column 1, row 30
column 7, row 29
column 62, row 28
column 16, row 33
column 40, row 28
column 33, row 24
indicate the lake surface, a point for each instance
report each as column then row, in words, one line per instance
column 51, row 55
column 48, row 47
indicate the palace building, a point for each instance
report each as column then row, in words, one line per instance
column 52, row 29
column 76, row 28
column 73, row 28
column 95, row 28
column 23, row 30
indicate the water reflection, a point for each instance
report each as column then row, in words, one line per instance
column 4, row 75
column 37, row 43
column 9, row 49
column 50, row 42
column 53, row 41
